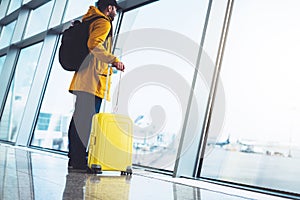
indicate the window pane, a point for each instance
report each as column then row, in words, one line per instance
column 39, row 19
column 2, row 59
column 6, row 34
column 14, row 5
column 51, row 130
column 259, row 140
column 156, row 83
column 77, row 8
column 18, row 93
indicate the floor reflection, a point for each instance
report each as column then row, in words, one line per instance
column 34, row 175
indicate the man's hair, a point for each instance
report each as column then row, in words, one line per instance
column 103, row 4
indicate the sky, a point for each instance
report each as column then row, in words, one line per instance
column 260, row 71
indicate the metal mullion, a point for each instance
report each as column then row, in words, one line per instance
column 7, row 76
column 128, row 5
column 185, row 123
column 213, row 88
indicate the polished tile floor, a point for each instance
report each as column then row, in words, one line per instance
column 30, row 174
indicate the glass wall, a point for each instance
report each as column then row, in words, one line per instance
column 18, row 93
column 160, row 54
column 52, row 125
column 6, row 34
column 259, row 141
column 39, row 19
column 76, row 9
column 14, row 5
column 203, row 77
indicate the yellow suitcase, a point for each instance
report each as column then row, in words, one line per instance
column 110, row 145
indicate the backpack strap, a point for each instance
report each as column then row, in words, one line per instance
column 98, row 17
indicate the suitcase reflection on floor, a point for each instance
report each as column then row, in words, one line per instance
column 107, row 187
column 90, row 186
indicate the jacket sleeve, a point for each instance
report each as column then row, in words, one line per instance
column 99, row 31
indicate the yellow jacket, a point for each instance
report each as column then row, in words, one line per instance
column 92, row 79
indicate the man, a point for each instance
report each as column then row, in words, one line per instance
column 89, row 84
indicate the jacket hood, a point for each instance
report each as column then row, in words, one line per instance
column 93, row 12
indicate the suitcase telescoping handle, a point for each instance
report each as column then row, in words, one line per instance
column 106, row 90
column 104, row 104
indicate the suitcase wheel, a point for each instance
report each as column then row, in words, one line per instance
column 127, row 172
column 96, row 169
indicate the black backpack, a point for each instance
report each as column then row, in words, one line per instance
column 73, row 48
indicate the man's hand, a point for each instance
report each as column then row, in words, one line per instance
column 119, row 65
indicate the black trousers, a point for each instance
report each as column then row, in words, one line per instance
column 86, row 106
